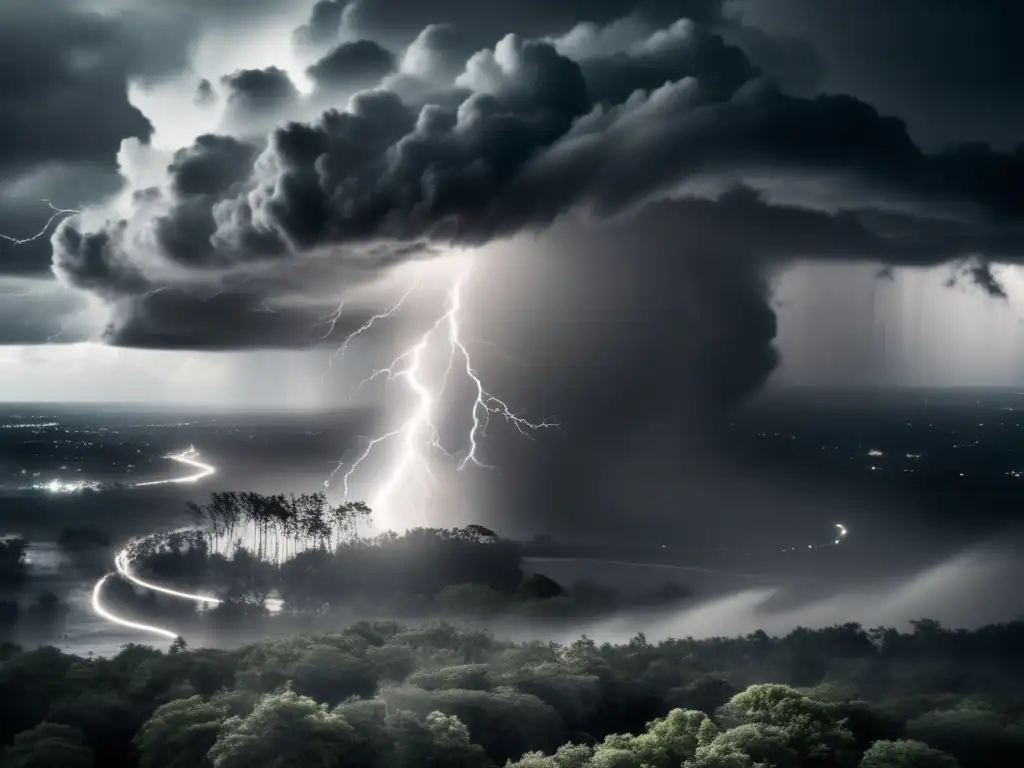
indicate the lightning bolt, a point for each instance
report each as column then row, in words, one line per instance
column 418, row 434
column 60, row 332
column 58, row 214
column 332, row 322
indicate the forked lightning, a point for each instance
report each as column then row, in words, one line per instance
column 58, row 214
column 418, row 433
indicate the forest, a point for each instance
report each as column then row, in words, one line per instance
column 380, row 694
column 448, row 694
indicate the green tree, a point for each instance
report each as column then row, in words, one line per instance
column 48, row 745
column 567, row 756
column 438, row 741
column 330, row 675
column 670, row 740
column 537, row 586
column 180, row 734
column 285, row 730
column 763, row 744
column 816, row 731
column 906, row 753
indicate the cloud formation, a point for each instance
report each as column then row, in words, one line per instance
column 442, row 126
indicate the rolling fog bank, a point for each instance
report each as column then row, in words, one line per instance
column 969, row 590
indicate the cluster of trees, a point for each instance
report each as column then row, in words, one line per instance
column 277, row 523
column 383, row 695
column 247, row 546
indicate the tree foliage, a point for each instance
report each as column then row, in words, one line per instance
column 384, row 695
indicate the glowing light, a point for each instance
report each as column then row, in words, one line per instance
column 419, row 435
column 122, row 562
column 99, row 610
column 123, row 559
column 185, row 457
column 332, row 321
column 876, row 452
column 840, row 533
column 59, row 486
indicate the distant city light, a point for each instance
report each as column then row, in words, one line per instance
column 59, row 486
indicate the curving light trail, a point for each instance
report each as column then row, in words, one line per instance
column 418, row 432
column 185, row 457
column 841, row 532
column 122, row 563
column 123, row 559
column 99, row 610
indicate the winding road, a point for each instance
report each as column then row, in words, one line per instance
column 190, row 458
column 122, row 561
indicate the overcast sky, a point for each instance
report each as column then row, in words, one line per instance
column 796, row 191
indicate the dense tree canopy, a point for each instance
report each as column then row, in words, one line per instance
column 383, row 695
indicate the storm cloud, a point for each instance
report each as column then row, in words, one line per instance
column 436, row 127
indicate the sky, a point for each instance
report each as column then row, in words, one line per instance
column 798, row 192
column 651, row 209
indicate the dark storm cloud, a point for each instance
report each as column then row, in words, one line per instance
column 352, row 65
column 438, row 54
column 790, row 232
column 954, row 70
column 63, row 95
column 666, row 56
column 200, row 176
column 210, row 166
column 507, row 159
column 402, row 20
column 259, row 92
column 204, row 92
column 35, row 311
column 180, row 319
column 322, row 28
column 96, row 262
column 236, row 317
column 978, row 273
column 529, row 134
column 24, row 215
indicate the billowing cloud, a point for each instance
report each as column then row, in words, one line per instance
column 258, row 98
column 599, row 119
column 351, row 66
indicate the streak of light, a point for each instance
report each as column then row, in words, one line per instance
column 99, row 610
column 185, row 457
column 339, row 353
column 840, row 532
column 122, row 562
column 418, row 431
column 58, row 214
